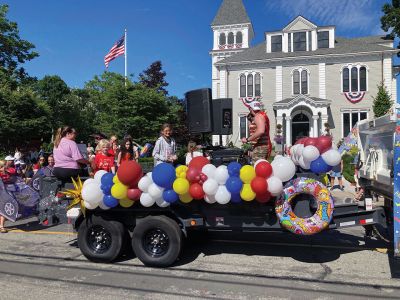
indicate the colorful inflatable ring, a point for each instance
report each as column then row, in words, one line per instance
column 308, row 226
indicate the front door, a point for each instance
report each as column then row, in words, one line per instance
column 300, row 127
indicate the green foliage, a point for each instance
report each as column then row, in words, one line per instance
column 390, row 21
column 154, row 78
column 14, row 51
column 382, row 102
column 348, row 167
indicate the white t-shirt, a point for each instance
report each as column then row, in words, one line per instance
column 189, row 156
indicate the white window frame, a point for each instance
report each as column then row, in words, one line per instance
column 350, row 112
column 329, row 38
column 273, row 35
column 300, row 69
column 350, row 66
column 254, row 73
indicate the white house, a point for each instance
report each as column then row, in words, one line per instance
column 305, row 76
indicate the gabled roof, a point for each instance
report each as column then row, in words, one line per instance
column 290, row 102
column 231, row 12
column 342, row 46
column 303, row 21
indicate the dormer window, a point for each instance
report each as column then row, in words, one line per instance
column 299, row 41
column 276, row 43
column 323, row 39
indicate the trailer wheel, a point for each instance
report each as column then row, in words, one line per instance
column 101, row 240
column 157, row 241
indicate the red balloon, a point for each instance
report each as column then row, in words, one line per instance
column 264, row 198
column 129, row 172
column 264, row 169
column 196, row 191
column 311, row 142
column 193, row 175
column 198, row 162
column 259, row 185
column 301, row 141
column 324, row 143
column 134, row 194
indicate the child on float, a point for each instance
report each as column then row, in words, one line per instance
column 165, row 148
column 7, row 175
column 103, row 160
column 192, row 152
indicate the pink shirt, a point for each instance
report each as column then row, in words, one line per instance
column 66, row 154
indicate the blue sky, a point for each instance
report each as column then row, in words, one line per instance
column 73, row 36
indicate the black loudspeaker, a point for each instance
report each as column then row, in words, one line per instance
column 222, row 116
column 199, row 110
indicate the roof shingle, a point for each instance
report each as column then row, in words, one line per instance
column 231, row 12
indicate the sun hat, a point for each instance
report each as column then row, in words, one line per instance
column 9, row 157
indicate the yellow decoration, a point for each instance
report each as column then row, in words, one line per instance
column 76, row 194
column 181, row 186
column 186, row 198
column 247, row 174
column 126, row 203
column 119, row 190
column 116, row 179
column 247, row 194
column 181, row 171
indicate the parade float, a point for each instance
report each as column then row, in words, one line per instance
column 156, row 211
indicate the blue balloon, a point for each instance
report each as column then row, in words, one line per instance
column 170, row 196
column 164, row 175
column 106, row 188
column 235, row 198
column 319, row 166
column 110, row 201
column 107, row 179
column 234, row 168
column 234, row 185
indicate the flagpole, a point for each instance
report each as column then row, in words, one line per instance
column 126, row 56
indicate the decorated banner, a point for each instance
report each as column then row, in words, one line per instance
column 354, row 97
column 396, row 191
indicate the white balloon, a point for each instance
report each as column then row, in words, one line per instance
column 209, row 170
column 283, row 168
column 103, row 206
column 275, row 186
column 92, row 193
column 144, row 183
column 155, row 191
column 221, row 175
column 150, row 175
column 99, row 174
column 210, row 199
column 161, row 203
column 89, row 205
column 146, row 200
column 277, row 157
column 294, row 159
column 223, row 196
column 304, row 164
column 210, row 186
column 332, row 157
column 310, row 153
column 258, row 161
column 299, row 151
column 87, row 181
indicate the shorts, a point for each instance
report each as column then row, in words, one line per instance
column 336, row 174
column 260, row 152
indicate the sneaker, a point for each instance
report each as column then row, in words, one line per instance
column 3, row 230
column 342, row 188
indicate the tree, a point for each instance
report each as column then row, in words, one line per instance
column 153, row 77
column 382, row 102
column 14, row 51
column 24, row 118
column 390, row 21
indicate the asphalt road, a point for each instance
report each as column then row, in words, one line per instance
column 37, row 263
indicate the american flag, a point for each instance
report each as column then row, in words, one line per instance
column 116, row 50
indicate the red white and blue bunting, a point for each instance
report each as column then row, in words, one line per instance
column 354, row 97
column 247, row 100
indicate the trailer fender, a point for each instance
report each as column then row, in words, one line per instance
column 305, row 226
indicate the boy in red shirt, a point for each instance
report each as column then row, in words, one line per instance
column 103, row 160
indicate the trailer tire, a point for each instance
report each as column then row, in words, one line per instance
column 305, row 226
column 157, row 241
column 101, row 240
